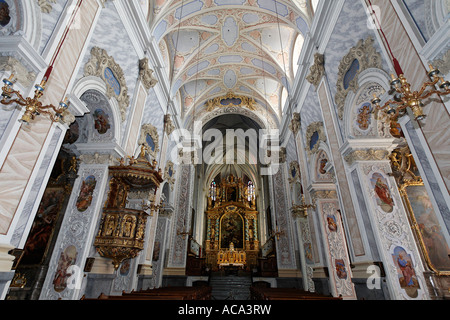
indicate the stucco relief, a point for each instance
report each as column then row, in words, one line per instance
column 359, row 58
column 103, row 66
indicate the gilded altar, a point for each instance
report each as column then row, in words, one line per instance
column 231, row 257
column 232, row 225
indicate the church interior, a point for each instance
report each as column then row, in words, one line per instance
column 224, row 150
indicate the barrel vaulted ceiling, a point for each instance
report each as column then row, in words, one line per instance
column 245, row 47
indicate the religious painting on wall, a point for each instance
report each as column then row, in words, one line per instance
column 382, row 192
column 331, row 222
column 405, row 270
column 232, row 230
column 43, row 226
column 125, row 267
column 341, row 271
column 364, row 116
column 308, row 253
column 101, row 121
column 67, row 258
column 86, row 193
column 433, row 238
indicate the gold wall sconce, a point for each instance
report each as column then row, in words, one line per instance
column 33, row 107
column 405, row 98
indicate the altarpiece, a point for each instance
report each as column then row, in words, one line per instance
column 232, row 224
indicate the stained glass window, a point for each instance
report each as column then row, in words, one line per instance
column 251, row 191
column 213, row 190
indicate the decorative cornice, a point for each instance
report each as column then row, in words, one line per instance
column 366, row 155
column 323, row 194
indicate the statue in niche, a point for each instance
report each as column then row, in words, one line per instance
column 110, row 225
column 128, row 227
column 140, row 230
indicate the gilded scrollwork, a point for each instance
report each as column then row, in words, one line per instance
column 247, row 102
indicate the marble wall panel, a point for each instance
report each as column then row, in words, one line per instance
column 22, row 156
column 339, row 169
column 135, row 124
column 435, row 126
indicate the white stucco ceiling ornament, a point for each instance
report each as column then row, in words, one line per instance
column 218, row 46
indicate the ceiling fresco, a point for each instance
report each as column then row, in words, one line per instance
column 246, row 47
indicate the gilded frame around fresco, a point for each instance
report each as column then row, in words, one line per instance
column 415, row 226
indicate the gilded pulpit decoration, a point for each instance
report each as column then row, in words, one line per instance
column 317, row 70
column 122, row 229
column 231, row 100
column 232, row 224
column 103, row 66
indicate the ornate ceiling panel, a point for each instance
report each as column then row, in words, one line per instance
column 215, row 47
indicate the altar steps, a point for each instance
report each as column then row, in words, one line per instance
column 230, row 286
